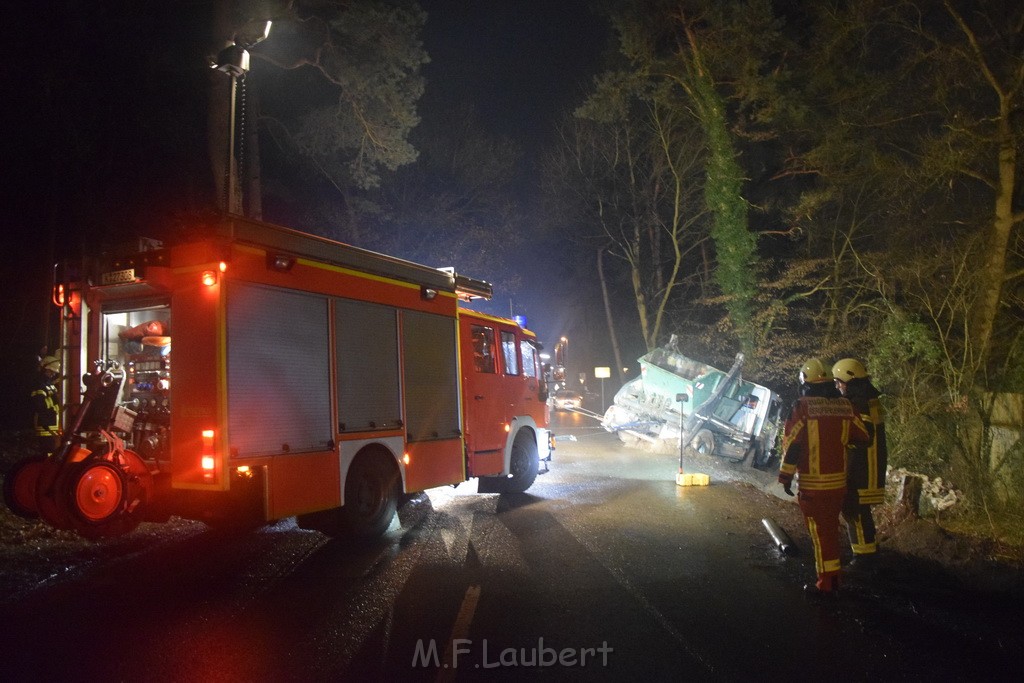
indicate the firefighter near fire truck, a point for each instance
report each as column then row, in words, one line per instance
column 866, row 463
column 306, row 378
column 46, row 436
column 45, row 406
column 815, row 440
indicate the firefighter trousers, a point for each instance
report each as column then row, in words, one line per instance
column 821, row 512
column 860, row 525
column 47, row 444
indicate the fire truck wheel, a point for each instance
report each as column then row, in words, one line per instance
column 523, row 464
column 20, row 487
column 97, row 491
column 371, row 499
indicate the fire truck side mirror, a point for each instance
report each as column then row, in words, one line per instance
column 682, row 398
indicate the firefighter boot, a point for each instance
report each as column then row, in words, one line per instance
column 865, row 563
column 827, row 588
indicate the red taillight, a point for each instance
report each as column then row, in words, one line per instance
column 206, row 459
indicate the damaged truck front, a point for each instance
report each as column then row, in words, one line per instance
column 677, row 399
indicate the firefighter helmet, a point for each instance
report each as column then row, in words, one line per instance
column 51, row 363
column 813, row 372
column 849, row 368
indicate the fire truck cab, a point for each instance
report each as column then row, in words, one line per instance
column 261, row 373
column 505, row 402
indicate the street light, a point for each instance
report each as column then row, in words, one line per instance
column 233, row 60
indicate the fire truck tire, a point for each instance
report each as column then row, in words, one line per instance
column 20, row 487
column 524, row 464
column 371, row 499
column 97, row 492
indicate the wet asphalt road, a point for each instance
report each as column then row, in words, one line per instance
column 604, row 570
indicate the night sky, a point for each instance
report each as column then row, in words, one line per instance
column 107, row 102
column 522, row 64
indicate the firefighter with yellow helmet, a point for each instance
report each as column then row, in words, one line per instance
column 45, row 408
column 814, row 446
column 865, row 481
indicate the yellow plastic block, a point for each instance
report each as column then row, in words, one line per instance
column 692, row 479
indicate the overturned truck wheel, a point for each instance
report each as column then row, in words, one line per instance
column 703, row 442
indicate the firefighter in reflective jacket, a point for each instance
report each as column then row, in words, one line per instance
column 814, row 445
column 45, row 410
column 865, row 480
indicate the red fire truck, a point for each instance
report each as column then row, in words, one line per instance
column 258, row 373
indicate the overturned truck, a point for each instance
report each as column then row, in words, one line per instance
column 677, row 400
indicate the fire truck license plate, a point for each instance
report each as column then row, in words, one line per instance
column 117, row 277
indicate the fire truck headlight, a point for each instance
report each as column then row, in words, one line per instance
column 209, row 278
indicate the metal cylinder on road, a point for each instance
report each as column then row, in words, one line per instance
column 781, row 538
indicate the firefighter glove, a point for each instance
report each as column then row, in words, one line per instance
column 787, row 484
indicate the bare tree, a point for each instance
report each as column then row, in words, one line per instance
column 633, row 163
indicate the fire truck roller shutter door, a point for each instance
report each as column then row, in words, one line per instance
column 278, row 371
column 369, row 396
column 431, row 378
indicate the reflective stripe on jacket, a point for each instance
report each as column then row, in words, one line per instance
column 45, row 410
column 815, row 439
column 868, row 462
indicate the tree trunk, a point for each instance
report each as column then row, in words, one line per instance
column 994, row 266
column 608, row 315
column 641, row 305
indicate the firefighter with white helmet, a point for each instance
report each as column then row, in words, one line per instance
column 814, row 445
column 866, row 462
column 45, row 408
column 814, row 373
